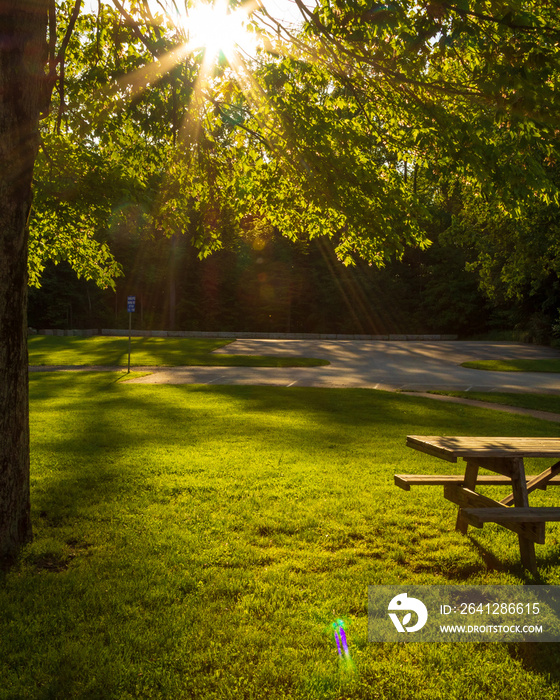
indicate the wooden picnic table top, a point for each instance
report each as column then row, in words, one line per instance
column 449, row 448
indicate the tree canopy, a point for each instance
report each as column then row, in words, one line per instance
column 350, row 126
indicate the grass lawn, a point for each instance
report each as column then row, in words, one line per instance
column 197, row 542
column 537, row 402
column 101, row 350
column 546, row 365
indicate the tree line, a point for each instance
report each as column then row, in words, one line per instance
column 271, row 284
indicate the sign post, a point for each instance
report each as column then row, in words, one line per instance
column 131, row 307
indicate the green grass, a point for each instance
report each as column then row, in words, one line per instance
column 104, row 351
column 198, row 541
column 537, row 402
column 547, row 365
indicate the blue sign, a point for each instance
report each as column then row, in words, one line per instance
column 131, row 304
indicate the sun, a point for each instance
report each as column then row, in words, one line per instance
column 216, row 29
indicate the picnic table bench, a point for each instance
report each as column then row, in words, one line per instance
column 505, row 458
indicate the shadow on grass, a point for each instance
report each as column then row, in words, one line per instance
column 538, row 658
column 99, row 431
column 99, row 421
column 110, row 351
column 102, row 427
column 494, row 563
column 400, row 416
column 491, row 562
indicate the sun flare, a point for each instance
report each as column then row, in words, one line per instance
column 216, row 29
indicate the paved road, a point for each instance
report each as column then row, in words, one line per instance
column 391, row 365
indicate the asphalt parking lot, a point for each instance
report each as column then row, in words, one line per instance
column 389, row 365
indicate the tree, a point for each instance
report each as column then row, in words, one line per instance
column 473, row 92
column 31, row 63
column 515, row 255
column 24, row 96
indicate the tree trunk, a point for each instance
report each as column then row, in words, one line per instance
column 23, row 96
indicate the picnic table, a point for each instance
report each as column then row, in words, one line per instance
column 504, row 457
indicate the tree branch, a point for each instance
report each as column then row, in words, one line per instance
column 60, row 59
column 136, row 29
column 69, row 30
column 52, row 40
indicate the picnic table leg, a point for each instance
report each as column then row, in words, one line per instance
column 471, row 474
column 521, row 498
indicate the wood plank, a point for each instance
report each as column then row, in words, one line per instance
column 541, row 481
column 421, row 446
column 451, row 447
column 533, row 531
column 514, row 515
column 471, row 476
column 521, row 500
column 405, row 481
column 468, row 499
column 498, row 465
column 401, row 480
